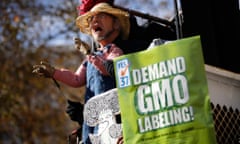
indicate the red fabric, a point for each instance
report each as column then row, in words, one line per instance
column 86, row 5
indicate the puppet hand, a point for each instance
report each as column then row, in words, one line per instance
column 82, row 46
column 44, row 70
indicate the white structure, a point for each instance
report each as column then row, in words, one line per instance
column 224, row 87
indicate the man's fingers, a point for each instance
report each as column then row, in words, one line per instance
column 35, row 71
column 38, row 69
column 44, row 63
column 38, row 72
column 36, row 66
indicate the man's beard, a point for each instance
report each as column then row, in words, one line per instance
column 107, row 35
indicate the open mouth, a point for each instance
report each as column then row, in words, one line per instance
column 97, row 29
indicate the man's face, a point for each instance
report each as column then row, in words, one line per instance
column 102, row 26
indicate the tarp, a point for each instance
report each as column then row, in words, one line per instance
column 163, row 95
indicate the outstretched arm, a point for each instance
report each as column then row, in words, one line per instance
column 70, row 78
column 66, row 76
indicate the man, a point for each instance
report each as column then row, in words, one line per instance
column 110, row 28
column 145, row 34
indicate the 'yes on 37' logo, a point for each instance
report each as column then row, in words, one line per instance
column 123, row 74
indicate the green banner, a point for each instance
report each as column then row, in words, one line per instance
column 163, row 95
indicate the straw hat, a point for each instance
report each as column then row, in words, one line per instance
column 83, row 24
